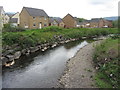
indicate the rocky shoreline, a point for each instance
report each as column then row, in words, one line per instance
column 80, row 69
column 13, row 54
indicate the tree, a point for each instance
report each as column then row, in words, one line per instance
column 115, row 23
column 81, row 19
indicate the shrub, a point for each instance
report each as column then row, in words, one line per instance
column 106, row 58
column 52, row 28
column 9, row 28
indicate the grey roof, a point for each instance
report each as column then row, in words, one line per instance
column 95, row 19
column 13, row 20
column 57, row 19
column 10, row 14
column 36, row 12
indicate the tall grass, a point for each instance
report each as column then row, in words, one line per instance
column 106, row 59
column 38, row 36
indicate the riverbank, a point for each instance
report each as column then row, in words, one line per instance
column 17, row 44
column 80, row 69
column 106, row 59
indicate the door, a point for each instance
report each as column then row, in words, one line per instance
column 40, row 25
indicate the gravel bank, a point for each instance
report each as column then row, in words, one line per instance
column 80, row 69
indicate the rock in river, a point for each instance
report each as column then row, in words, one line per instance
column 17, row 55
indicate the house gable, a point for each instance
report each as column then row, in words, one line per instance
column 69, row 21
column 33, row 18
column 24, row 18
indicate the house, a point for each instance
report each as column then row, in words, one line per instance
column 4, row 18
column 77, row 22
column 70, row 21
column 14, row 22
column 85, row 24
column 33, row 18
column 96, row 23
column 14, row 19
column 100, row 23
column 56, row 21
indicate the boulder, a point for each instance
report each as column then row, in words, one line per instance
column 10, row 57
column 17, row 55
column 4, row 60
column 34, row 49
column 23, row 51
column 45, row 48
column 54, row 45
column 39, row 46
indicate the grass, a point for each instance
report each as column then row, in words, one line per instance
column 106, row 58
column 39, row 36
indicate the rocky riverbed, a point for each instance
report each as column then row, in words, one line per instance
column 80, row 69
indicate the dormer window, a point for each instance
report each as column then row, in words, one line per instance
column 34, row 18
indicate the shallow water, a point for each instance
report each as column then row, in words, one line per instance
column 41, row 69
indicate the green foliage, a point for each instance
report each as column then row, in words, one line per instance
column 81, row 19
column 115, row 24
column 38, row 36
column 9, row 28
column 52, row 28
column 106, row 58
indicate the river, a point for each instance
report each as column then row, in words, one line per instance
column 41, row 69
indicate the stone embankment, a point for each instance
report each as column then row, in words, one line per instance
column 14, row 54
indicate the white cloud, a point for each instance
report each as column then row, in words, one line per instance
column 59, row 8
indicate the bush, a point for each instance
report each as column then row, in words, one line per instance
column 52, row 28
column 10, row 28
column 106, row 58
column 38, row 36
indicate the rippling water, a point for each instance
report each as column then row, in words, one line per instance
column 41, row 69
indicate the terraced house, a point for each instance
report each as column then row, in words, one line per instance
column 56, row 21
column 96, row 23
column 33, row 18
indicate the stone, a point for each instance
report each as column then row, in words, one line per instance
column 54, row 45
column 34, row 49
column 39, row 46
column 5, row 53
column 10, row 51
column 4, row 60
column 23, row 51
column 10, row 57
column 17, row 55
column 84, row 37
column 45, row 48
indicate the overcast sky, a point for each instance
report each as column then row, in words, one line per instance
column 59, row 8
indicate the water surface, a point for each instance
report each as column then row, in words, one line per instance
column 41, row 69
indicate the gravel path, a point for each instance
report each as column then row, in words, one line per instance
column 80, row 69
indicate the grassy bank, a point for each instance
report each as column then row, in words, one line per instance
column 33, row 37
column 106, row 60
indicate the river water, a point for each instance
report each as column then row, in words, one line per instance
column 41, row 69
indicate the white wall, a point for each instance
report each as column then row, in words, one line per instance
column 17, row 16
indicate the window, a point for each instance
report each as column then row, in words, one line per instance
column 34, row 18
column 45, row 24
column 54, row 23
column 45, row 18
column 34, row 24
